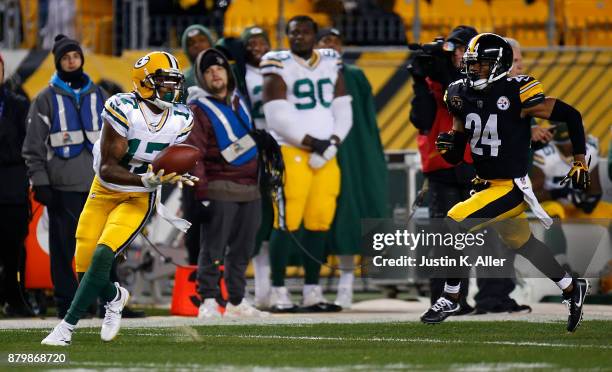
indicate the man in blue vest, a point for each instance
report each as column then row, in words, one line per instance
column 228, row 191
column 63, row 124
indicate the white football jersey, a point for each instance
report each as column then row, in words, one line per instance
column 310, row 87
column 555, row 166
column 146, row 137
column 254, row 82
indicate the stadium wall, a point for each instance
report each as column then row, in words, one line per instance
column 579, row 76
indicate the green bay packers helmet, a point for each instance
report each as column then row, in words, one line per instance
column 157, row 78
column 488, row 49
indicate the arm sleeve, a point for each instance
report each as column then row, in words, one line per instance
column 423, row 108
column 280, row 115
column 343, row 116
column 34, row 148
column 566, row 113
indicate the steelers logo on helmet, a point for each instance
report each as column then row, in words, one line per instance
column 157, row 78
column 487, row 59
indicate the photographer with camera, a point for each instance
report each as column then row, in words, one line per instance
column 433, row 66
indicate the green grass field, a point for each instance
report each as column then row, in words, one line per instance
column 370, row 346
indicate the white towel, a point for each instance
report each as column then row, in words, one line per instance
column 175, row 221
column 524, row 183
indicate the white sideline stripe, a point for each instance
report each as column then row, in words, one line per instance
column 139, row 366
column 415, row 340
column 188, row 331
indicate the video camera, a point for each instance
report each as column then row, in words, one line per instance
column 431, row 60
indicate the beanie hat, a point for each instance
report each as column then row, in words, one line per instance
column 462, row 34
column 213, row 57
column 328, row 31
column 63, row 44
column 192, row 31
column 253, row 31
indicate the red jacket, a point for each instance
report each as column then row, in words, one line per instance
column 431, row 160
column 213, row 167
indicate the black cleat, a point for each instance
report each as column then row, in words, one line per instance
column 321, row 307
column 574, row 302
column 442, row 309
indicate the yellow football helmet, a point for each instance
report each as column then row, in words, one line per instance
column 157, row 78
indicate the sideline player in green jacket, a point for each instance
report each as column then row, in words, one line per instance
column 363, row 192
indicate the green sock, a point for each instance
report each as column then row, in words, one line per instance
column 280, row 245
column 94, row 283
column 314, row 242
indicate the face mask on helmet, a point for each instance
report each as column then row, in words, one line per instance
column 487, row 61
column 168, row 88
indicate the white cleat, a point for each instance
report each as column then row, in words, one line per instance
column 312, row 295
column 209, row 309
column 60, row 336
column 112, row 317
column 280, row 300
column 262, row 301
column 344, row 297
column 244, row 310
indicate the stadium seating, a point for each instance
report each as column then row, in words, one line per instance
column 94, row 25
column 587, row 22
column 265, row 13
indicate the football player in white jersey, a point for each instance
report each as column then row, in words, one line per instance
column 551, row 163
column 257, row 44
column 562, row 201
column 309, row 113
column 136, row 127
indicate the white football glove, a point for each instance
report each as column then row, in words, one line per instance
column 152, row 180
column 317, row 161
column 187, row 179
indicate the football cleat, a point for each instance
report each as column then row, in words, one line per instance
column 344, row 298
column 442, row 309
column 112, row 316
column 574, row 302
column 280, row 301
column 209, row 309
column 60, row 336
column 314, row 302
column 244, row 310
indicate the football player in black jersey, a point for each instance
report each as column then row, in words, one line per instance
column 492, row 113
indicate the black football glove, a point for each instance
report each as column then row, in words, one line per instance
column 445, row 142
column 579, row 175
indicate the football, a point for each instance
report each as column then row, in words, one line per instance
column 177, row 158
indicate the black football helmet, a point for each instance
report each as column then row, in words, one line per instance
column 487, row 48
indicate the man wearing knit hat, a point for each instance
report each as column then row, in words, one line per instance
column 228, row 191
column 63, row 124
column 195, row 39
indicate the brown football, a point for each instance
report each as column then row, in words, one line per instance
column 179, row 158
